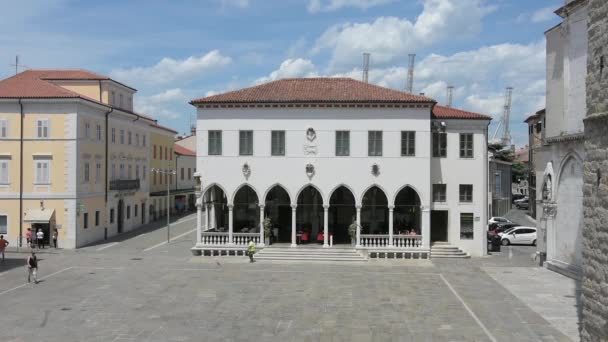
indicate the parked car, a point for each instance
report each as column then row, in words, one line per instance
column 498, row 219
column 525, row 198
column 519, row 235
column 516, row 197
column 499, row 229
column 522, row 204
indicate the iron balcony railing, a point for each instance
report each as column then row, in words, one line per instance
column 124, row 184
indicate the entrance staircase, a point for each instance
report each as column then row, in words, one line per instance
column 309, row 254
column 445, row 250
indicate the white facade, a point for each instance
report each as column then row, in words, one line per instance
column 354, row 171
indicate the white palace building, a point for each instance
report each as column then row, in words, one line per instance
column 315, row 155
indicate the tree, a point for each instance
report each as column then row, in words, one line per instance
column 519, row 171
column 501, row 153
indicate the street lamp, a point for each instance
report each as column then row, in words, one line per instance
column 166, row 172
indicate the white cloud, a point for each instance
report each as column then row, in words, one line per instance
column 543, row 14
column 390, row 39
column 290, row 68
column 332, row 5
column 235, row 3
column 162, row 105
column 170, row 70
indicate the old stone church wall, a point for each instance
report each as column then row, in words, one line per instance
column 595, row 232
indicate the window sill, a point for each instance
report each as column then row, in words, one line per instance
column 42, row 183
column 465, row 203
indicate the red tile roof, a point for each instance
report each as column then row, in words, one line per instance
column 441, row 112
column 165, row 128
column 314, row 90
column 183, row 151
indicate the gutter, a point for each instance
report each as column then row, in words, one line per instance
column 107, row 114
column 21, row 176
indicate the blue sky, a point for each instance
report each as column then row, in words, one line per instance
column 174, row 51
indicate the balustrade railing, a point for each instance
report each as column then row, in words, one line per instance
column 241, row 239
column 214, row 238
column 399, row 241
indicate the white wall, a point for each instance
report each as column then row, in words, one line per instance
column 185, row 163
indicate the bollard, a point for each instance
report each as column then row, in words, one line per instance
column 331, row 241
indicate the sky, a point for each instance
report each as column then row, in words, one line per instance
column 175, row 51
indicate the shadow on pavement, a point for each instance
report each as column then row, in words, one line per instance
column 15, row 260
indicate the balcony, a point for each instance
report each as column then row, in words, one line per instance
column 124, row 184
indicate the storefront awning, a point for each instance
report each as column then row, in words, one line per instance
column 38, row 215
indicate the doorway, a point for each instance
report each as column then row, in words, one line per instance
column 143, row 212
column 439, row 225
column 120, row 216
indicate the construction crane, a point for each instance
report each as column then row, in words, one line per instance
column 365, row 66
column 450, row 90
column 503, row 124
column 410, row 73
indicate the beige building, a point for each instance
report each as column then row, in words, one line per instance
column 74, row 157
column 162, row 165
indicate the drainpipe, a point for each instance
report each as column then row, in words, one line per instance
column 107, row 164
column 21, row 176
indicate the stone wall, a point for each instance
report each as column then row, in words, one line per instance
column 595, row 233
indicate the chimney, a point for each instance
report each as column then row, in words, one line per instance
column 193, row 130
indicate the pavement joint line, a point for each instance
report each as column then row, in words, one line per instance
column 107, row 246
column 481, row 325
column 172, row 239
column 41, row 278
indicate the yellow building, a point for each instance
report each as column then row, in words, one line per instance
column 73, row 156
column 162, row 164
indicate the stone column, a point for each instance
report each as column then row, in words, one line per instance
column 207, row 220
column 261, row 244
column 230, row 219
column 325, row 228
column 426, row 227
column 358, row 243
column 199, row 221
column 293, row 225
column 391, row 208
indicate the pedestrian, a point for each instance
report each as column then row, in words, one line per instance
column 251, row 250
column 28, row 237
column 32, row 268
column 3, row 244
column 40, row 238
column 55, row 233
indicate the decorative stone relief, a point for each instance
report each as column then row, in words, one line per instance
column 310, row 147
column 246, row 171
column 376, row 170
column 310, row 170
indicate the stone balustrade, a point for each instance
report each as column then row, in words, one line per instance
column 242, row 239
column 214, row 238
column 399, row 241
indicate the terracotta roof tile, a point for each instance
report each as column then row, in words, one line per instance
column 165, row 128
column 441, row 112
column 314, row 90
column 183, row 151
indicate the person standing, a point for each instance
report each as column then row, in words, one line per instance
column 251, row 250
column 55, row 233
column 3, row 244
column 32, row 268
column 28, row 237
column 40, row 238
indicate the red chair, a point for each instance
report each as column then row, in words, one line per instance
column 320, row 237
column 305, row 237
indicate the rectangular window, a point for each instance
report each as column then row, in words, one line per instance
column 440, row 144
column 154, row 151
column 408, row 143
column 113, row 174
column 143, row 140
column 166, row 154
column 4, row 170
column 130, row 172
column 215, row 143
column 342, row 143
column 98, row 173
column 245, row 143
column 128, row 212
column 374, row 143
column 160, row 179
column 122, row 171
column 122, row 136
column 113, row 135
column 112, row 215
column 3, row 224
column 86, row 172
column 85, row 220
column 98, row 132
column 136, row 139
column 97, row 218
column 42, row 126
column 466, row 145
column 466, row 226
column 466, row 192
column 166, row 178
column 143, row 173
column 189, row 173
column 278, row 143
column 129, row 137
column 121, row 101
column 136, row 171
column 182, row 173
column 3, row 128
column 135, row 210
column 170, row 154
column 43, row 169
column 87, row 130
column 113, row 99
column 498, row 182
column 154, row 179
column 439, row 192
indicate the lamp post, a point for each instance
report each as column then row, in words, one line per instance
column 166, row 172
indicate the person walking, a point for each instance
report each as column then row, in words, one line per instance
column 28, row 237
column 3, row 244
column 40, row 238
column 32, row 268
column 251, row 250
column 55, row 233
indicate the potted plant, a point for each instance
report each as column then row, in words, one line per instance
column 352, row 232
column 267, row 230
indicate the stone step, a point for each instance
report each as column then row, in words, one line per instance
column 444, row 248
column 306, row 258
column 452, row 253
column 279, row 255
column 465, row 256
column 266, row 250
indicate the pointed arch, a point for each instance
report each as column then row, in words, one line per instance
column 406, row 212
column 402, row 188
column 352, row 191
column 240, row 187
column 342, row 213
column 206, row 189
column 369, row 188
column 374, row 211
column 278, row 209
column 270, row 188
column 571, row 155
column 295, row 198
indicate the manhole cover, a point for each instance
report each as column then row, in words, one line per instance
column 136, row 258
column 66, row 309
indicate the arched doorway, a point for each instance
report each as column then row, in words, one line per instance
column 246, row 212
column 309, row 214
column 406, row 215
column 342, row 213
column 374, row 212
column 568, row 223
column 216, row 209
column 278, row 209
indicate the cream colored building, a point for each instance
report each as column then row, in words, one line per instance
column 74, row 156
column 162, row 163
